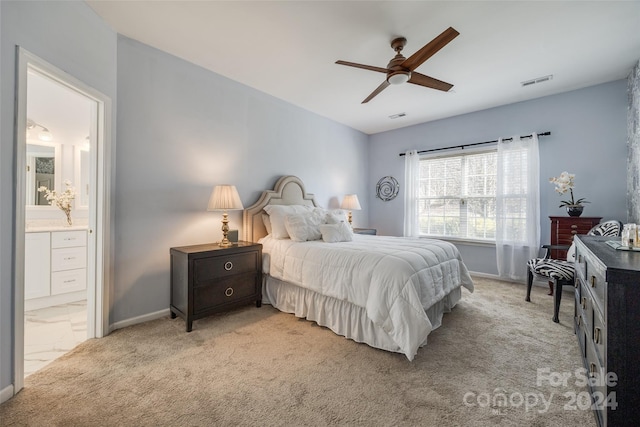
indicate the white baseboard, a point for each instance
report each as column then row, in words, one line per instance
column 139, row 319
column 494, row 277
column 6, row 393
column 538, row 283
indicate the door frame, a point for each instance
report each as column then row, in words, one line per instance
column 99, row 268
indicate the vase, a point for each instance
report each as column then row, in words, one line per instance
column 575, row 210
column 68, row 214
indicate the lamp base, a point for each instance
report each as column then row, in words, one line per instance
column 225, row 243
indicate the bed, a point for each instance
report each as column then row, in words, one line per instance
column 387, row 292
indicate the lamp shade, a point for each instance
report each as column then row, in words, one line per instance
column 224, row 198
column 351, row 202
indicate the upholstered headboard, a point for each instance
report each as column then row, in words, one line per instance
column 289, row 190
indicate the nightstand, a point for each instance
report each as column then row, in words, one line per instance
column 371, row 231
column 208, row 279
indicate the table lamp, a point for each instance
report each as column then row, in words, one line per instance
column 350, row 202
column 225, row 198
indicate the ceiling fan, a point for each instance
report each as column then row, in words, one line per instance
column 401, row 70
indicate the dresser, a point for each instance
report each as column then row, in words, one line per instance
column 563, row 228
column 55, row 268
column 607, row 325
column 208, row 279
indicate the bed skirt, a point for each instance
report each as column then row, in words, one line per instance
column 343, row 317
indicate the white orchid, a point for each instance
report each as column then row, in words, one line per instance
column 61, row 200
column 564, row 183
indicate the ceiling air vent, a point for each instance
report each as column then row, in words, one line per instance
column 537, row 80
column 395, row 116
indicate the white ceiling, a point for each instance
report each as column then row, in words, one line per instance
column 288, row 49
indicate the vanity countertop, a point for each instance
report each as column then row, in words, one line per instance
column 44, row 228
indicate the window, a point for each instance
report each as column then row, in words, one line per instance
column 458, row 196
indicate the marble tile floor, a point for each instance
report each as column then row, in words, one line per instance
column 51, row 332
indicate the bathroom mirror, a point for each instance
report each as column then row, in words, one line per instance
column 43, row 169
column 82, row 168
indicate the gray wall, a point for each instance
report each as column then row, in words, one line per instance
column 181, row 130
column 588, row 138
column 72, row 37
column 633, row 132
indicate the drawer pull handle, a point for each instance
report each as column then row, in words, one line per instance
column 579, row 259
column 592, row 370
column 228, row 292
column 69, row 281
column 596, row 335
column 69, row 258
column 574, row 232
column 574, row 226
column 228, row 265
column 584, row 303
column 593, row 281
column 580, row 320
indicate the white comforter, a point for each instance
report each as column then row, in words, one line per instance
column 393, row 278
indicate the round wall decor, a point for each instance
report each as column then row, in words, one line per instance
column 387, row 188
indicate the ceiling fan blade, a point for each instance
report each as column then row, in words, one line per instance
column 365, row 67
column 422, row 80
column 379, row 89
column 430, row 49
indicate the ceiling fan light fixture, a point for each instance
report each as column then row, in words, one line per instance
column 399, row 78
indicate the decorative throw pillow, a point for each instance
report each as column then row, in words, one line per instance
column 336, row 216
column 277, row 214
column 304, row 226
column 333, row 233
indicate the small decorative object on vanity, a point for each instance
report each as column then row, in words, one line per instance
column 225, row 198
column 208, row 279
column 564, row 183
column 62, row 200
column 351, row 203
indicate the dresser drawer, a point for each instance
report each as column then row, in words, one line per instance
column 68, row 239
column 68, row 258
column 599, row 337
column 68, row 281
column 225, row 291
column 210, row 269
column 595, row 282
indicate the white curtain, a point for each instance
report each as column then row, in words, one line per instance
column 517, row 206
column 411, row 193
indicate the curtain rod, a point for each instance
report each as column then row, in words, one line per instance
column 547, row 133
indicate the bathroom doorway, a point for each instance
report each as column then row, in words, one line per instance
column 62, row 214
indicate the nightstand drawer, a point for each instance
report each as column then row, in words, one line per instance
column 224, row 291
column 207, row 269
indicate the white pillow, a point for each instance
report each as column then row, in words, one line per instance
column 267, row 222
column 277, row 214
column 336, row 216
column 332, row 233
column 304, row 226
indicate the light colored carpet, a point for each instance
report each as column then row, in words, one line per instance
column 262, row 367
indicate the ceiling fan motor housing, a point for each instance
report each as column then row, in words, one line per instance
column 397, row 74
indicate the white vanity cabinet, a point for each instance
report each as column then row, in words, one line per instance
column 55, row 268
column 37, row 265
